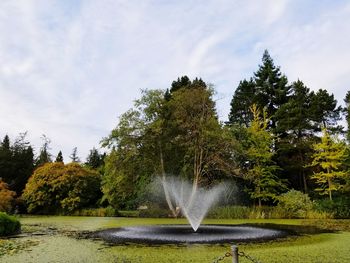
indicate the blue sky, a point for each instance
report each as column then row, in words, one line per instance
column 69, row 68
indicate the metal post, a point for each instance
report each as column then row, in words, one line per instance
column 234, row 250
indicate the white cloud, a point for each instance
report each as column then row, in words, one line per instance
column 69, row 69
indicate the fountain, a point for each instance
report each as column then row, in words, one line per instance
column 193, row 202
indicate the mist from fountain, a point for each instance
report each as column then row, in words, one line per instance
column 194, row 202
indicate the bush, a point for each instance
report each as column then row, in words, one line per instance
column 102, row 212
column 7, row 197
column 229, row 212
column 154, row 211
column 132, row 213
column 265, row 212
column 339, row 207
column 9, row 225
column 295, row 204
column 59, row 188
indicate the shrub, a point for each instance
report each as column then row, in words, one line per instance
column 7, row 197
column 132, row 213
column 8, row 224
column 339, row 207
column 55, row 187
column 230, row 212
column 154, row 211
column 295, row 204
column 109, row 211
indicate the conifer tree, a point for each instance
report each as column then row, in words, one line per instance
column 268, row 89
column 59, row 157
column 74, row 156
column 295, row 127
column 328, row 157
column 243, row 98
column 262, row 169
column 44, row 155
column 347, row 114
column 94, row 159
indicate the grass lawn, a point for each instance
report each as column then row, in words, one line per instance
column 51, row 243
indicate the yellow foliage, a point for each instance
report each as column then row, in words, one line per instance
column 57, row 187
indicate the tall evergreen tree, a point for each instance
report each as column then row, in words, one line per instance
column 325, row 111
column 74, row 156
column 295, row 146
column 347, row 114
column 243, row 98
column 268, row 89
column 94, row 159
column 59, row 157
column 16, row 162
column 272, row 87
column 44, row 154
column 6, row 164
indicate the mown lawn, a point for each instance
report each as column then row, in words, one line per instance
column 53, row 243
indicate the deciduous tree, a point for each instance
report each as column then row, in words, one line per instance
column 328, row 157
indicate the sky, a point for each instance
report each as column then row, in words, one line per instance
column 69, row 69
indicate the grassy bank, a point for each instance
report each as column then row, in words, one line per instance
column 327, row 247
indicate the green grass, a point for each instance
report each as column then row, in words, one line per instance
column 327, row 247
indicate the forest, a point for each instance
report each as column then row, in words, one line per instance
column 282, row 143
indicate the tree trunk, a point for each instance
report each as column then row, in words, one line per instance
column 329, row 188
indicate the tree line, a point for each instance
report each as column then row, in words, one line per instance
column 279, row 136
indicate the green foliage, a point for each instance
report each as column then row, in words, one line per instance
column 44, row 155
column 154, row 211
column 268, row 89
column 59, row 157
column 100, row 212
column 261, row 171
column 16, row 162
column 229, row 212
column 129, row 213
column 9, row 225
column 295, row 204
column 243, row 98
column 339, row 207
column 94, row 159
column 55, row 187
column 175, row 134
column 347, row 114
column 74, row 156
column 7, row 197
column 264, row 212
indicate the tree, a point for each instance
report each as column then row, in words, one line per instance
column 94, row 159
column 44, row 155
column 56, row 187
column 176, row 132
column 347, row 114
column 74, row 156
column 328, row 157
column 296, row 127
column 59, row 157
column 243, row 98
column 325, row 112
column 261, row 171
column 268, row 89
column 16, row 162
column 6, row 164
column 7, row 197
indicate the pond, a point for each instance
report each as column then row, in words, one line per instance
column 59, row 239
